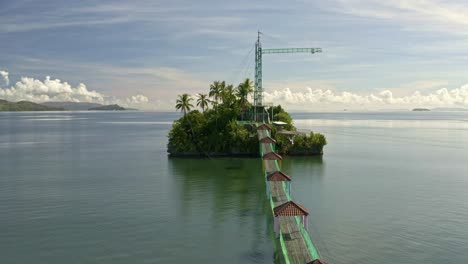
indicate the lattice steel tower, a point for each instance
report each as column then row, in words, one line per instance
column 258, row 89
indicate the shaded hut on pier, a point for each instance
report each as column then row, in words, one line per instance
column 278, row 176
column 290, row 209
column 271, row 156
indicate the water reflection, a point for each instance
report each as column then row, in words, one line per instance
column 231, row 192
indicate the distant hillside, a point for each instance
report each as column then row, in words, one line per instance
column 108, row 108
column 6, row 106
column 421, row 109
column 73, row 106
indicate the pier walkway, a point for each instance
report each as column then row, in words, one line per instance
column 290, row 228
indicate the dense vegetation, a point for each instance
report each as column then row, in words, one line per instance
column 215, row 131
column 299, row 144
column 25, row 106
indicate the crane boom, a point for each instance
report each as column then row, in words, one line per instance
column 291, row 50
column 258, row 89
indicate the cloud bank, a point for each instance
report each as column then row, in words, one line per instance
column 30, row 89
column 308, row 99
column 318, row 99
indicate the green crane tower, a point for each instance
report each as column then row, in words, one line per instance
column 258, row 106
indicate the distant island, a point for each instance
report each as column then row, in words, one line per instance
column 72, row 106
column 114, row 107
column 7, row 106
column 224, row 126
column 421, row 109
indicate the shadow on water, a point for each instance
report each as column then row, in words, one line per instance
column 233, row 184
column 232, row 188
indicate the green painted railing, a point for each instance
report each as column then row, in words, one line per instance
column 283, row 248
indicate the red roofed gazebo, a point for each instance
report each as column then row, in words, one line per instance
column 267, row 140
column 278, row 176
column 271, row 156
column 290, row 208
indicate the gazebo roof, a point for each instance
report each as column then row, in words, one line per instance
column 264, row 127
column 272, row 156
column 290, row 209
column 267, row 140
column 278, row 176
column 279, row 123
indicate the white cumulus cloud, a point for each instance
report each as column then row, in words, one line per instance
column 137, row 99
column 4, row 75
column 34, row 90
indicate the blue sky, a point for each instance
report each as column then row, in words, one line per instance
column 158, row 49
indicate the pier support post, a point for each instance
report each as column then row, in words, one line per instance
column 276, row 225
column 305, row 222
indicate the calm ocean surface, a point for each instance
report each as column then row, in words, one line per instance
column 97, row 187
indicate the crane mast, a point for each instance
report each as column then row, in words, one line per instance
column 258, row 89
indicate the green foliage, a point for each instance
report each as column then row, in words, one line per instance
column 276, row 109
column 279, row 114
column 285, row 117
column 216, row 130
column 301, row 144
column 318, row 141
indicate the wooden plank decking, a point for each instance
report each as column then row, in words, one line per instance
column 295, row 243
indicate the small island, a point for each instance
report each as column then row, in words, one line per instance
column 114, row 107
column 223, row 127
column 421, row 109
column 72, row 106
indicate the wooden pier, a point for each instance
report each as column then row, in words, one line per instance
column 290, row 218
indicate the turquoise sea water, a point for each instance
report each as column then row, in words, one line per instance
column 97, row 187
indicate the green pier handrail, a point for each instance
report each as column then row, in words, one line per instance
column 283, row 248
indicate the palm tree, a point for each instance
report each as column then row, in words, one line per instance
column 228, row 96
column 215, row 91
column 203, row 101
column 183, row 103
column 244, row 89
